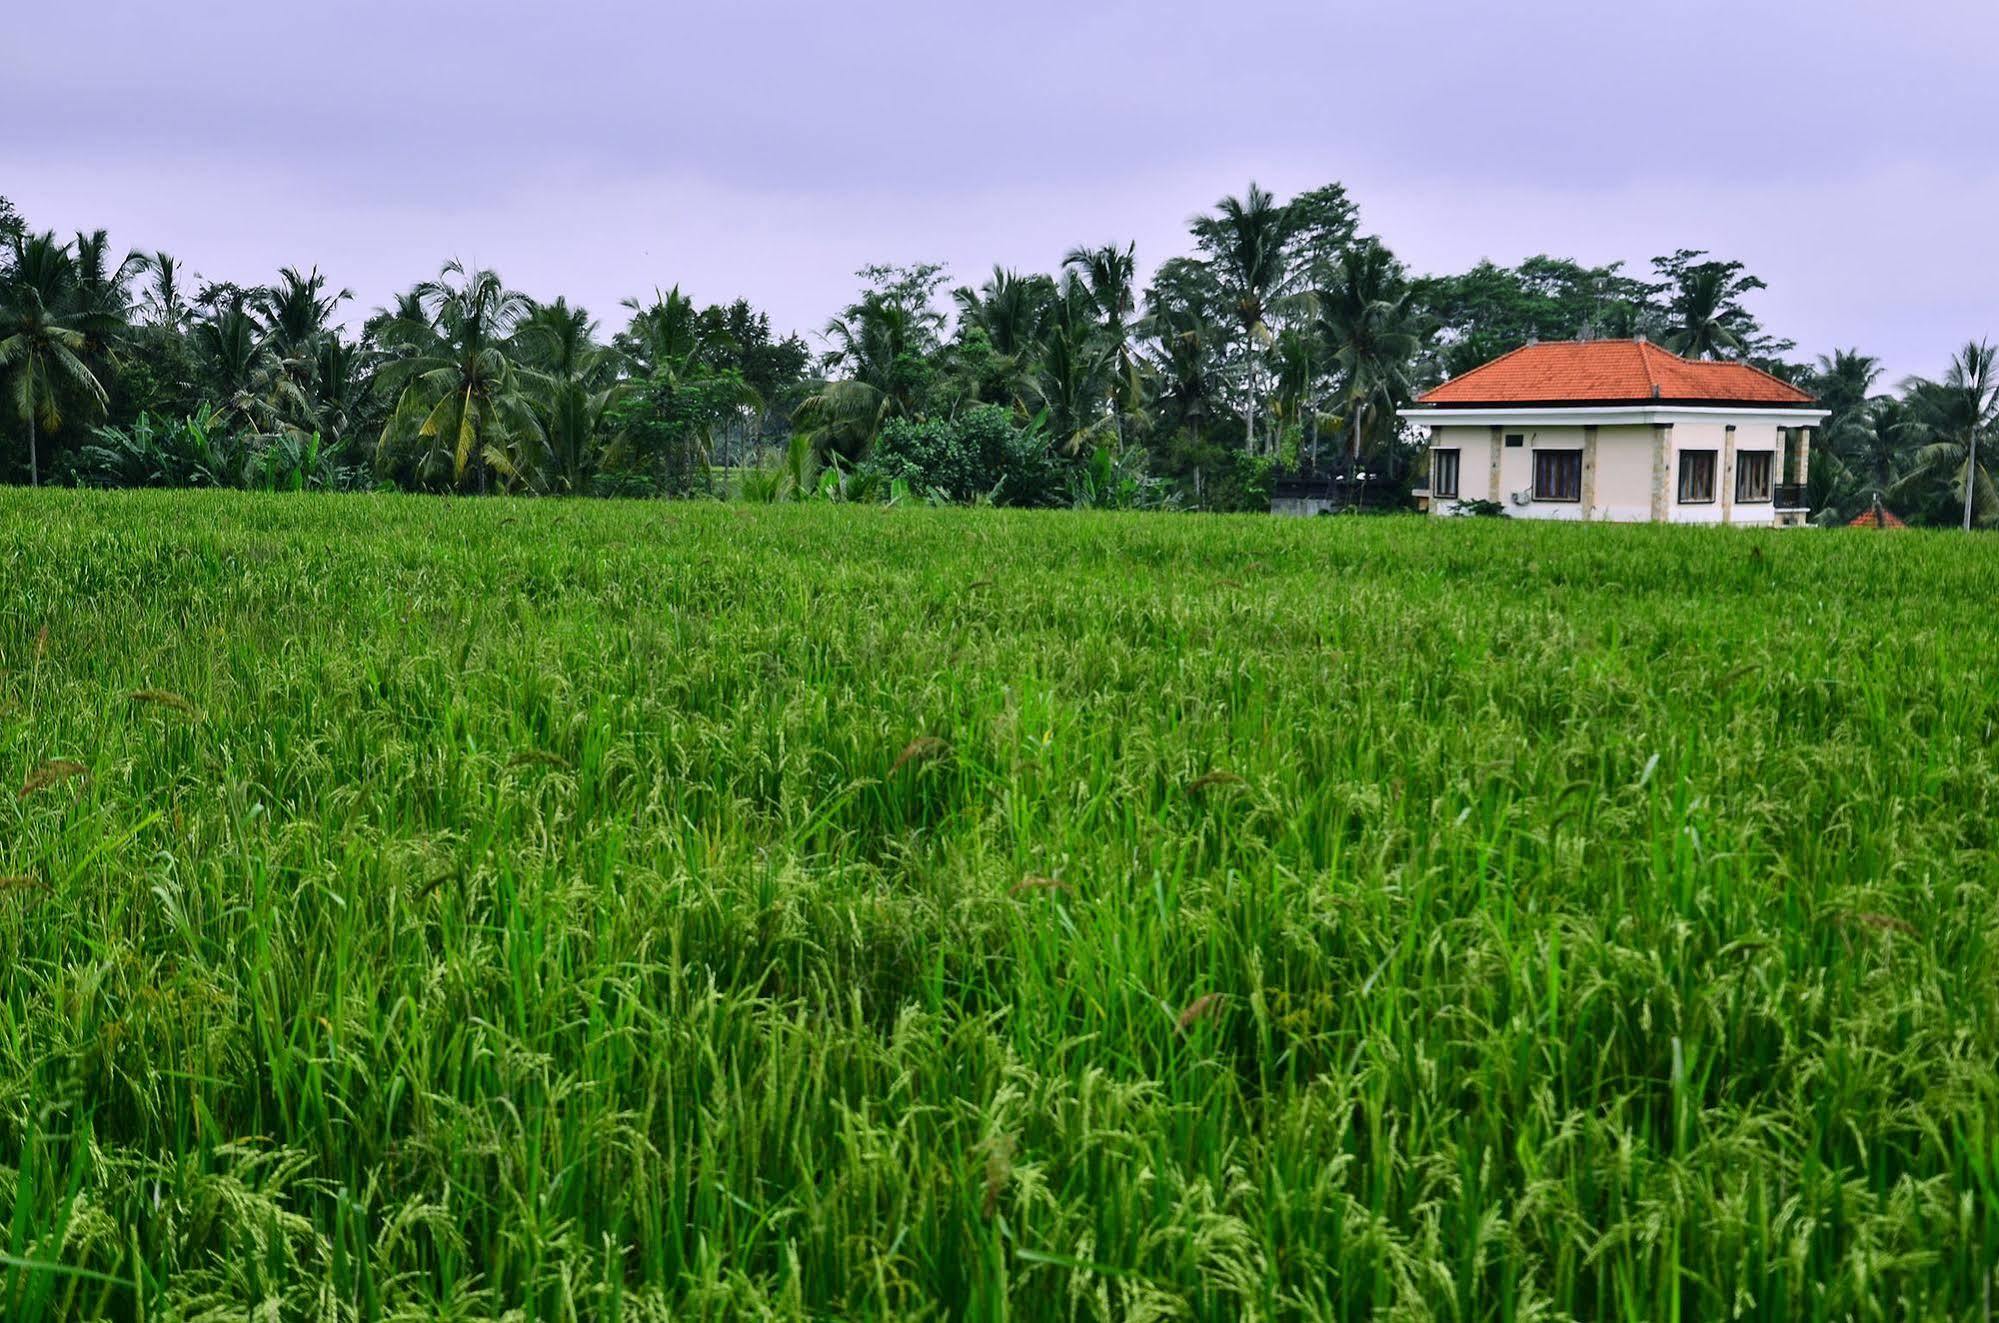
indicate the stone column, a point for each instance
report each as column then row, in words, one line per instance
column 1589, row 472
column 1804, row 444
column 1493, row 493
column 1727, row 478
column 1662, row 445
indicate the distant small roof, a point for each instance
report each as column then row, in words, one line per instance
column 1612, row 372
column 1878, row 517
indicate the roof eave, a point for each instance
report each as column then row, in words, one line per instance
column 1611, row 412
column 1641, row 402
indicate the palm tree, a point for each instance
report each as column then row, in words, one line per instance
column 1012, row 311
column 102, row 288
column 241, row 370
column 297, row 317
column 341, row 387
column 1368, row 323
column 1181, row 365
column 1856, row 457
column 165, row 303
column 1074, row 365
column 883, row 344
column 1697, row 330
column 1705, row 318
column 688, row 384
column 1880, row 447
column 47, row 325
column 1954, row 416
column 1248, row 240
column 1108, row 274
column 575, row 385
column 664, row 335
column 1864, row 457
column 1844, row 382
column 461, row 403
column 1297, row 372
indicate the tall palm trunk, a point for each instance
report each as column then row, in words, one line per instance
column 1249, row 366
column 35, row 462
column 1970, row 478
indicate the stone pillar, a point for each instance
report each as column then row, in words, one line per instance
column 1727, row 478
column 1804, row 444
column 1493, row 493
column 1589, row 472
column 1662, row 446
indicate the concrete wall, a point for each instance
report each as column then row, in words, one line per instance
column 1301, row 506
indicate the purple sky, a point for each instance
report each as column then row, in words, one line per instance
column 1845, row 149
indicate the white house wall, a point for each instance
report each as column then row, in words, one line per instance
column 1623, row 471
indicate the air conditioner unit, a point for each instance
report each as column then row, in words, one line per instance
column 1523, row 496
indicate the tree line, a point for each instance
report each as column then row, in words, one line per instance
column 1283, row 342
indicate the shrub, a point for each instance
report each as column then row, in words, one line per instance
column 199, row 451
column 1118, row 482
column 980, row 454
column 194, row 452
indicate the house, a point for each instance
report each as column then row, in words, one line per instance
column 1619, row 430
column 1877, row 516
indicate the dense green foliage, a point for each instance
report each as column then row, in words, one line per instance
column 1283, row 343
column 982, row 455
column 419, row 909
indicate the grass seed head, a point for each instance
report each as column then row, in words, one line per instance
column 163, row 698
column 52, row 772
column 1032, row 883
column 1885, row 923
column 1200, row 785
column 922, row 749
column 999, row 1170
column 1197, row 1010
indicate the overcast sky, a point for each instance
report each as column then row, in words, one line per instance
column 1848, row 151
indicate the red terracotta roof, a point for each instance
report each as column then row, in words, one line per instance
column 1876, row 519
column 1611, row 371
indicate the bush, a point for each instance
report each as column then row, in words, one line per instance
column 1238, row 483
column 978, row 456
column 200, row 451
column 1118, row 482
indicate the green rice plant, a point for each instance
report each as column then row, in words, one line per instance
column 575, row 910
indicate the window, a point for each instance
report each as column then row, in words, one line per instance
column 1515, row 440
column 1752, row 475
column 1558, row 475
column 1443, row 473
column 1696, row 477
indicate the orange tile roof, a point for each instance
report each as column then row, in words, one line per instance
column 1876, row 518
column 1611, row 372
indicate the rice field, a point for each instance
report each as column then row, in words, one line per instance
column 432, row 909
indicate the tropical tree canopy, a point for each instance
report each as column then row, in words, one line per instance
column 1285, row 338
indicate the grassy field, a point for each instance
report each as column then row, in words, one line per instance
column 435, row 909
